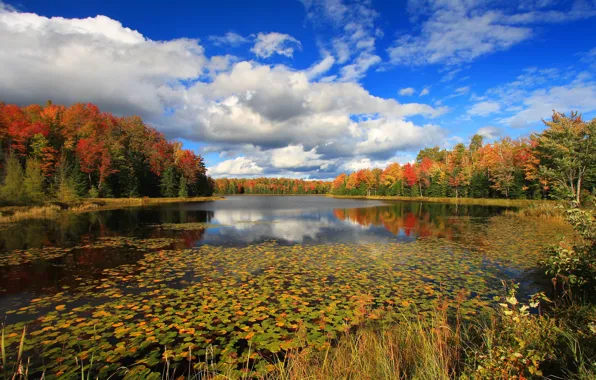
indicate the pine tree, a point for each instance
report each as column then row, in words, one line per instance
column 80, row 181
column 183, row 192
column 12, row 188
column 64, row 184
column 168, row 183
column 33, row 182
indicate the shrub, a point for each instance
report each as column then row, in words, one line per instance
column 573, row 265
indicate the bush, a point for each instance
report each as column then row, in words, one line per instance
column 516, row 344
column 573, row 265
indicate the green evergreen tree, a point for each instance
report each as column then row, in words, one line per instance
column 12, row 188
column 183, row 189
column 33, row 182
column 64, row 185
column 168, row 183
column 80, row 180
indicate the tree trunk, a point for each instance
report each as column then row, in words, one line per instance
column 579, row 189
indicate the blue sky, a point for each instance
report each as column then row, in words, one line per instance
column 308, row 88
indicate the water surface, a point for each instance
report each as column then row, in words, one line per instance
column 249, row 268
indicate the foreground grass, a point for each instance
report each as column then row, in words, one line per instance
column 52, row 210
column 515, row 342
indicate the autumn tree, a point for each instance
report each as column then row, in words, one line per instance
column 33, row 182
column 12, row 189
column 567, row 152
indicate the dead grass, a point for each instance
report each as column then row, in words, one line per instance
column 53, row 210
column 25, row 213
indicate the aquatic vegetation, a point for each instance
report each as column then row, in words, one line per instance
column 186, row 226
column 20, row 256
column 268, row 297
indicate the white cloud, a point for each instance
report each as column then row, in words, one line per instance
column 91, row 60
column 388, row 135
column 408, row 91
column 230, row 38
column 533, row 95
column 239, row 166
column 455, row 32
column 294, row 156
column 268, row 44
column 359, row 67
column 490, row 132
column 353, row 24
column 291, row 120
column 320, row 67
column 484, row 108
column 425, row 91
column 540, row 103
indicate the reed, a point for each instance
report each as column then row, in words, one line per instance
column 38, row 212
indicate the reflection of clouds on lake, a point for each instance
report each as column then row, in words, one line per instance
column 296, row 227
column 237, row 217
column 250, row 226
column 319, row 220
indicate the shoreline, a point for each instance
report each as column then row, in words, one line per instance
column 464, row 201
column 53, row 209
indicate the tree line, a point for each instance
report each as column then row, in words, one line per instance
column 266, row 185
column 64, row 153
column 559, row 162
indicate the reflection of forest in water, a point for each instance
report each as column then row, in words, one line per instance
column 79, row 251
column 81, row 231
column 419, row 219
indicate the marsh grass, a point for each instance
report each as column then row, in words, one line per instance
column 545, row 210
column 55, row 209
column 38, row 212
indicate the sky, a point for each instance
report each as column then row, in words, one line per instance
column 310, row 88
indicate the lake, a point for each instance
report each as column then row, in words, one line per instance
column 266, row 272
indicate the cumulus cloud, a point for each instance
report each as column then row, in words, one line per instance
column 293, row 121
column 484, row 108
column 490, row 132
column 386, row 135
column 237, row 167
column 268, row 44
column 276, row 106
column 91, row 60
column 295, row 157
column 425, row 91
column 456, row 32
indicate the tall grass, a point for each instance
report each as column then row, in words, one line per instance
column 546, row 210
column 511, row 343
column 54, row 210
column 37, row 212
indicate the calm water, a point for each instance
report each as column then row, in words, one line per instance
column 236, row 221
column 194, row 272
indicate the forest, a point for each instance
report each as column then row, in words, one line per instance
column 54, row 152
column 556, row 163
column 265, row 185
column 64, row 153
